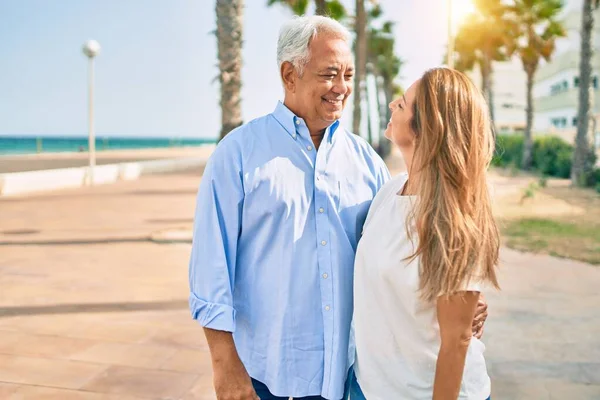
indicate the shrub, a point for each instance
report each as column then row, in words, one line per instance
column 552, row 156
column 509, row 150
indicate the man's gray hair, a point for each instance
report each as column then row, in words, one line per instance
column 295, row 37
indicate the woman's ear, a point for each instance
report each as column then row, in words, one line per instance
column 289, row 76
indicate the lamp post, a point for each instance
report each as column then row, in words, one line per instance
column 91, row 48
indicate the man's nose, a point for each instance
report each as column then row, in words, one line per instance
column 341, row 86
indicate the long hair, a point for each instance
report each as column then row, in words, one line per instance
column 458, row 236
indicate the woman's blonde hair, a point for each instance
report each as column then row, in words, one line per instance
column 458, row 236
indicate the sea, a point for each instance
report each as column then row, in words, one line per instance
column 13, row 145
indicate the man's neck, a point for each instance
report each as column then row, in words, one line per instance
column 316, row 130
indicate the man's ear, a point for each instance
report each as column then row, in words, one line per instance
column 289, row 76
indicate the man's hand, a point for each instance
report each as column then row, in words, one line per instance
column 481, row 315
column 232, row 382
column 230, row 378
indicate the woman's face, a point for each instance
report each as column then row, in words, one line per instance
column 399, row 129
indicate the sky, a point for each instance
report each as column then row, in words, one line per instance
column 155, row 74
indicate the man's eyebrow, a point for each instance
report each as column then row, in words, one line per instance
column 331, row 68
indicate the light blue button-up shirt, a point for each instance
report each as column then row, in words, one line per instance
column 276, row 229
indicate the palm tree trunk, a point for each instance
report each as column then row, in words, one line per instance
column 486, row 86
column 229, row 49
column 321, row 7
column 578, row 170
column 361, row 62
column 491, row 98
column 527, row 161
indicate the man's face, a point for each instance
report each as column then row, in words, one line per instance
column 326, row 83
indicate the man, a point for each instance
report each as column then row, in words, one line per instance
column 279, row 213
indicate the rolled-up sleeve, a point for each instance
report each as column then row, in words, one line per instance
column 216, row 230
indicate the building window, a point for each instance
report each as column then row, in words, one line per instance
column 565, row 85
column 595, row 82
column 576, row 81
column 574, row 121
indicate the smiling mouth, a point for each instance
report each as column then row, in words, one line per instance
column 334, row 102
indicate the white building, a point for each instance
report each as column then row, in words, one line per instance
column 556, row 87
column 509, row 91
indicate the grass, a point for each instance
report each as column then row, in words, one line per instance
column 568, row 235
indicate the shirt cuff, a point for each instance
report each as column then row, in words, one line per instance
column 219, row 317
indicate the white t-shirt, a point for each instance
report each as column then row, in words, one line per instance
column 397, row 333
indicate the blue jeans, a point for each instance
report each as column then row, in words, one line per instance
column 263, row 392
column 356, row 393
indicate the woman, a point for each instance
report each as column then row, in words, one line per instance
column 429, row 244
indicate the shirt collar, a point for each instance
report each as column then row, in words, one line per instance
column 290, row 122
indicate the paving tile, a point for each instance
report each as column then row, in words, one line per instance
column 47, row 393
column 185, row 360
column 202, row 390
column 142, row 382
column 7, row 389
column 191, row 337
column 47, row 372
column 63, row 325
column 133, row 355
column 118, row 332
column 45, row 346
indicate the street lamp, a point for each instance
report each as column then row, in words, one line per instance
column 91, row 48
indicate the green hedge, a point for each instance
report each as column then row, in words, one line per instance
column 509, row 150
column 552, row 156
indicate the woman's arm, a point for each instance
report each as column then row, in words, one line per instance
column 455, row 317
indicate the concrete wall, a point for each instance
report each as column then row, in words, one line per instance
column 38, row 181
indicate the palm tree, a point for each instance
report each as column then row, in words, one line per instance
column 581, row 167
column 485, row 37
column 229, row 48
column 381, row 55
column 332, row 8
column 360, row 27
column 539, row 28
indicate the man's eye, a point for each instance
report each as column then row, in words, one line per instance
column 349, row 77
column 330, row 76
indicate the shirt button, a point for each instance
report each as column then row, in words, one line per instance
column 325, row 276
column 318, row 177
column 327, row 308
column 297, row 122
column 321, row 210
column 309, row 148
column 323, row 243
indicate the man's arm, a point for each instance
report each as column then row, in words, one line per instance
column 217, row 226
column 481, row 314
column 231, row 380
